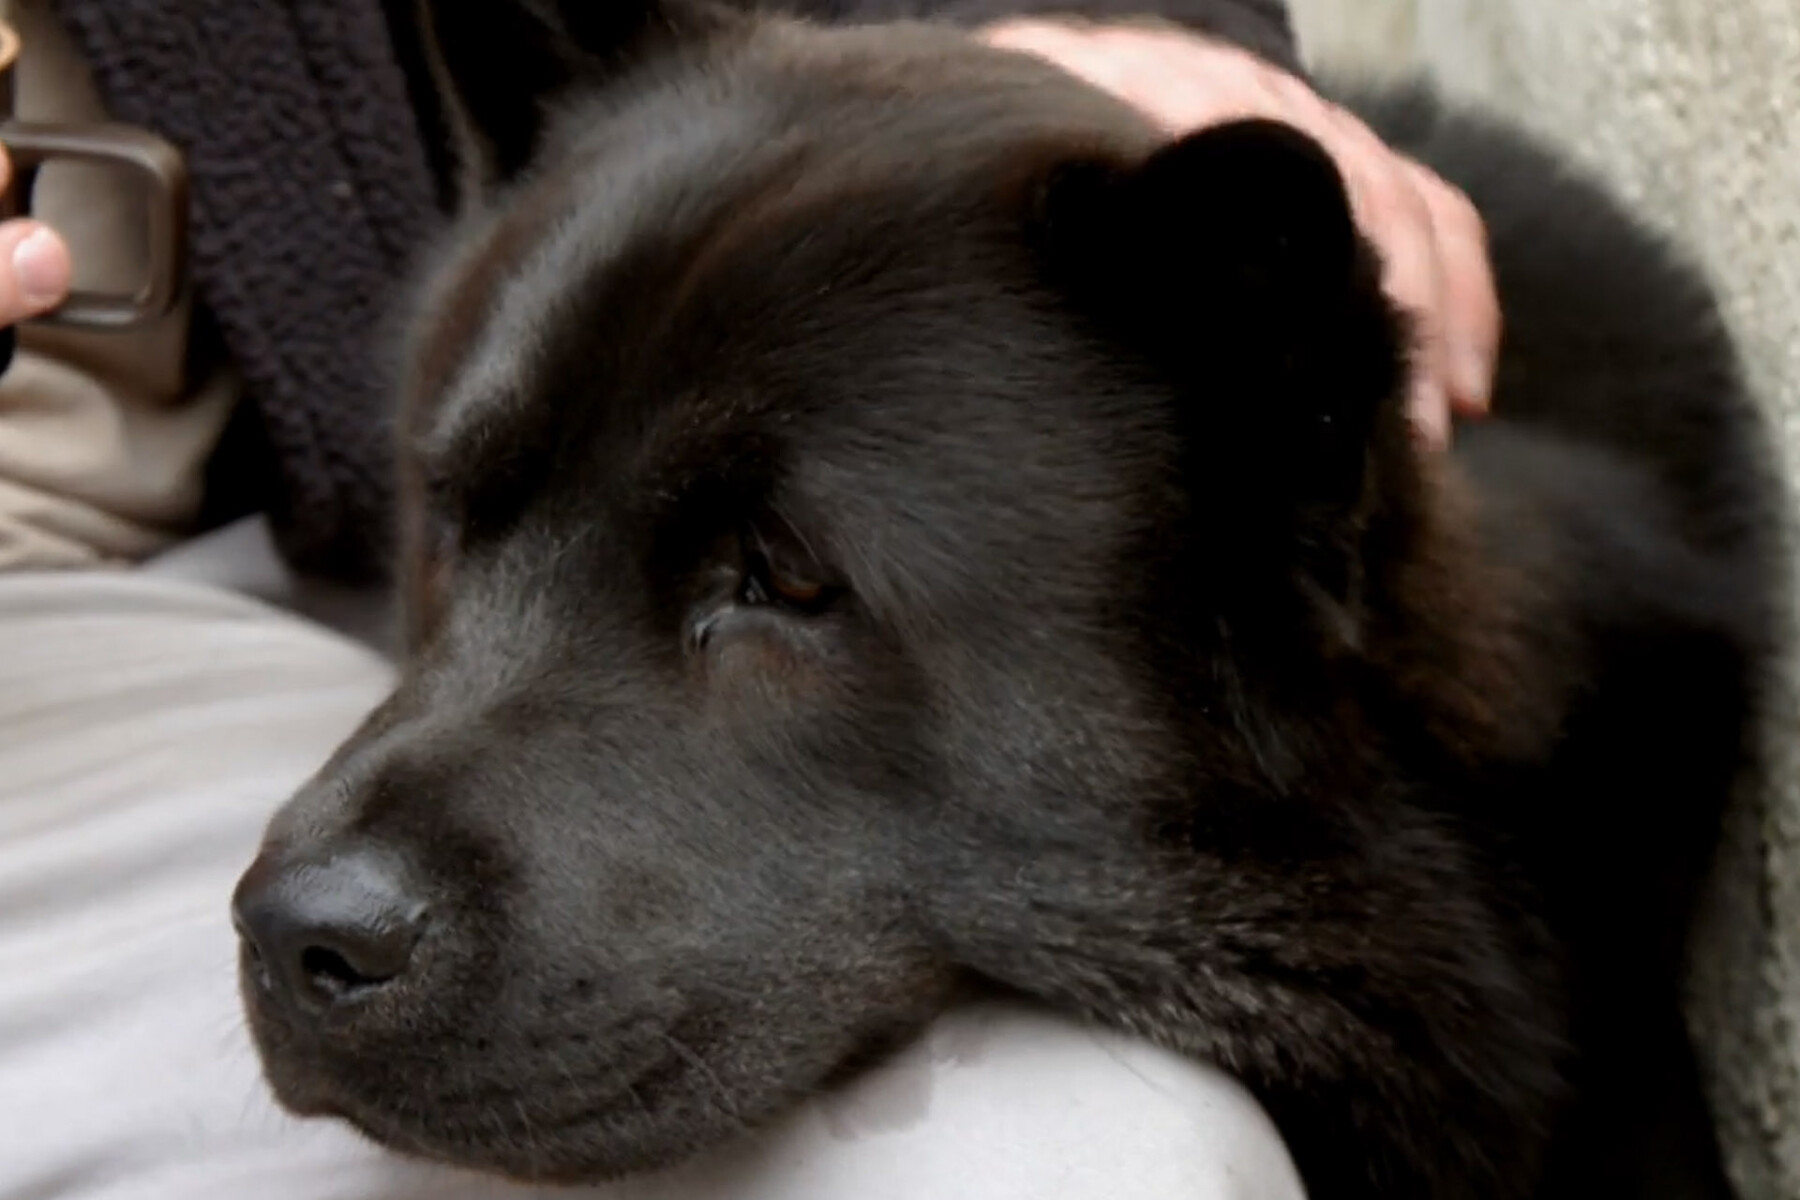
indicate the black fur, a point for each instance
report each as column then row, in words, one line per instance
column 881, row 524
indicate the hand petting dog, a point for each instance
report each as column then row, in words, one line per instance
column 1431, row 239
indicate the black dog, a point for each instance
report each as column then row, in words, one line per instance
column 883, row 524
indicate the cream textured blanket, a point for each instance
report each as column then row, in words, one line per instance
column 1692, row 109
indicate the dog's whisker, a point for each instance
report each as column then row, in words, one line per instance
column 721, row 1095
column 531, row 1148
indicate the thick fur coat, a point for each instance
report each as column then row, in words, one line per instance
column 884, row 523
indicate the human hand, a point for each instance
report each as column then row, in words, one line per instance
column 36, row 273
column 1432, row 241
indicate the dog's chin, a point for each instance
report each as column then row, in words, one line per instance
column 503, row 1136
column 516, row 1132
column 597, row 1149
column 609, row 1140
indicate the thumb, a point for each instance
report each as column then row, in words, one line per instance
column 37, row 270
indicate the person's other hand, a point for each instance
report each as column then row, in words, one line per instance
column 36, row 269
column 1432, row 241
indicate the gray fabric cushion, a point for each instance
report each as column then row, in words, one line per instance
column 242, row 558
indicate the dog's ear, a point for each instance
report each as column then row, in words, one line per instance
column 500, row 64
column 1229, row 261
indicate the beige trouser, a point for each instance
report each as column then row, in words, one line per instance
column 147, row 728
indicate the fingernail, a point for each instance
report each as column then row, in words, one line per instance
column 41, row 268
column 1472, row 376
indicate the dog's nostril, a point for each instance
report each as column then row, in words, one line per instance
column 329, row 972
column 321, row 933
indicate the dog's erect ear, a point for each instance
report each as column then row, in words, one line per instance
column 500, row 63
column 1229, row 260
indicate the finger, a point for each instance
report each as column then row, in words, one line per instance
column 1054, row 40
column 1074, row 51
column 1472, row 320
column 1394, row 216
column 1194, row 85
column 1179, row 81
column 38, row 270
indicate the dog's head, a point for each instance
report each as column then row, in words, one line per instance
column 867, row 494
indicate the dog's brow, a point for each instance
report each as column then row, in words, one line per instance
column 462, row 309
column 485, row 392
column 536, row 270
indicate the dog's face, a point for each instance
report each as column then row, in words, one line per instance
column 811, row 464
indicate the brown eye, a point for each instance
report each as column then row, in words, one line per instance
column 796, row 591
column 779, row 568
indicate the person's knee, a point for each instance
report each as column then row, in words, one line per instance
column 1002, row 1103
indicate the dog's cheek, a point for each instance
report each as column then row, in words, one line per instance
column 771, row 672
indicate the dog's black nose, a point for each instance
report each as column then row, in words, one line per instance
column 320, row 933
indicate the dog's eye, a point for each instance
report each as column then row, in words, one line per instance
column 767, row 583
column 780, row 568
